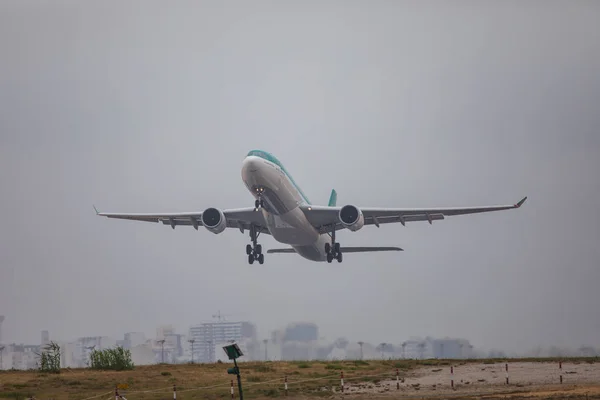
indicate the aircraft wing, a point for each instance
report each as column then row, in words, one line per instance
column 323, row 218
column 240, row 218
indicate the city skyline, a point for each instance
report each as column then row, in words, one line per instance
column 294, row 341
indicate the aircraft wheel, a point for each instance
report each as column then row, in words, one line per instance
column 248, row 249
column 251, row 259
column 261, row 258
column 256, row 204
column 327, row 248
column 339, row 257
column 337, row 248
column 258, row 249
column 329, row 257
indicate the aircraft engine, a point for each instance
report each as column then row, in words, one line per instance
column 214, row 220
column 351, row 218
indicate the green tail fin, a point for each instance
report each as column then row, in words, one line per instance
column 333, row 198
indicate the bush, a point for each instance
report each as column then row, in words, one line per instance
column 50, row 358
column 117, row 359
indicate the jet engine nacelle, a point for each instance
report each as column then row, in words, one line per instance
column 351, row 217
column 214, row 220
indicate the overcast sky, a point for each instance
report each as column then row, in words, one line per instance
column 152, row 106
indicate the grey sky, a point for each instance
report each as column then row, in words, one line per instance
column 148, row 106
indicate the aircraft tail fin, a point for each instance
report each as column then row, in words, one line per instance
column 332, row 198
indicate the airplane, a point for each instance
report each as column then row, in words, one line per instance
column 282, row 210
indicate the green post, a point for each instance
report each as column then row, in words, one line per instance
column 239, row 379
column 233, row 352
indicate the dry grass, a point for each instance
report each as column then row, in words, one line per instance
column 259, row 379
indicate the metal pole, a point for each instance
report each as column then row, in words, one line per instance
column 192, row 343
column 239, row 379
column 162, row 350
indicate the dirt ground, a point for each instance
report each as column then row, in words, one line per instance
column 474, row 380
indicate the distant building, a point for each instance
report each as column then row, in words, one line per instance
column 163, row 331
column 45, row 338
column 296, row 351
column 69, row 355
column 301, row 332
column 209, row 335
column 173, row 342
column 23, row 356
column 134, row 339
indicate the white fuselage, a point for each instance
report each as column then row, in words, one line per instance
column 281, row 198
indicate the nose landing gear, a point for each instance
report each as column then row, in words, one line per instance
column 254, row 250
column 259, row 202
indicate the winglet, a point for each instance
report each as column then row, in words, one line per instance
column 520, row 203
column 333, row 198
column 95, row 209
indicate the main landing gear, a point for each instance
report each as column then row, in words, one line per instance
column 333, row 249
column 254, row 250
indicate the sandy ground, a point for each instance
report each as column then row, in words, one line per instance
column 479, row 379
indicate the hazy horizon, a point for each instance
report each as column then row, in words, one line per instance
column 143, row 107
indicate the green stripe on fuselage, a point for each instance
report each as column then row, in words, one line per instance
column 271, row 158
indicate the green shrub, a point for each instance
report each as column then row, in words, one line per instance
column 117, row 359
column 50, row 358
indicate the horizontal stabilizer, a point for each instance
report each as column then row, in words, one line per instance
column 281, row 251
column 344, row 249
column 368, row 249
